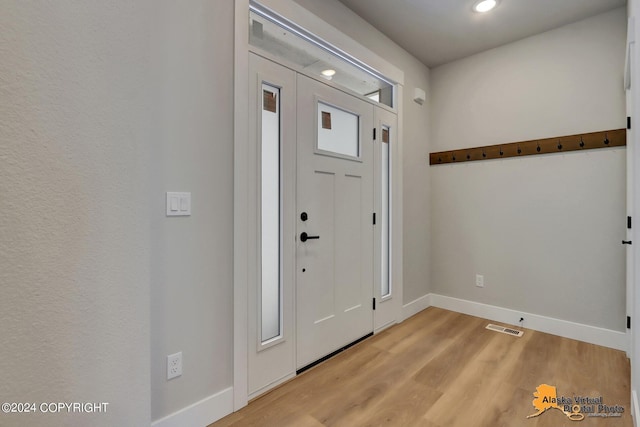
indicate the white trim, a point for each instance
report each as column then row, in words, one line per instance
column 563, row 328
column 240, row 203
column 416, row 306
column 635, row 411
column 397, row 212
column 202, row 413
column 633, row 10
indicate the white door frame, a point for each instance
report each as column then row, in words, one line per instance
column 633, row 162
column 244, row 174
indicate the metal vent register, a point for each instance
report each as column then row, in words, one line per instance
column 504, row 330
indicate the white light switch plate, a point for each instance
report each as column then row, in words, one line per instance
column 178, row 204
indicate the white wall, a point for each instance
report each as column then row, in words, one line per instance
column 416, row 237
column 546, row 230
column 192, row 258
column 75, row 81
column 104, row 108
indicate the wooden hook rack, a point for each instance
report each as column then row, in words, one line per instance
column 585, row 141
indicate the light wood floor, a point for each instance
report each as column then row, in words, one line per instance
column 444, row 369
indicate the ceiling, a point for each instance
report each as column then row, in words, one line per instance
column 440, row 31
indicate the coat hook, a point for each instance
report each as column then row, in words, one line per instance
column 538, row 148
column 501, row 152
column 483, row 153
column 453, row 157
column 581, row 143
column 468, row 156
column 439, row 159
column 606, row 139
column 519, row 149
column 559, row 145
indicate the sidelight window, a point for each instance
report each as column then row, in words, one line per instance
column 271, row 218
column 385, row 282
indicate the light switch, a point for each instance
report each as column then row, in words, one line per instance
column 174, row 203
column 178, row 204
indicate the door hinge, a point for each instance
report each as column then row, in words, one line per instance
column 374, row 303
column 628, row 122
column 374, row 218
column 374, row 134
column 629, row 222
column 628, row 322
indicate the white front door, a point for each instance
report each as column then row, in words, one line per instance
column 335, row 231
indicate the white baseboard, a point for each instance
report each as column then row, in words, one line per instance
column 635, row 410
column 416, row 306
column 563, row 328
column 202, row 413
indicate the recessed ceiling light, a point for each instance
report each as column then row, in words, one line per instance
column 485, row 5
column 328, row 73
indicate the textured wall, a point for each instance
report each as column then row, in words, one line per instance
column 545, row 231
column 192, row 257
column 74, row 229
column 416, row 213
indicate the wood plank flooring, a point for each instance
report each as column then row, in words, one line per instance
column 444, row 369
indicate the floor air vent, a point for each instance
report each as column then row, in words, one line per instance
column 504, row 330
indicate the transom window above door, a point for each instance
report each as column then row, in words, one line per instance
column 287, row 41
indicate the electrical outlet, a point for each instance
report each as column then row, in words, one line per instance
column 480, row 280
column 174, row 365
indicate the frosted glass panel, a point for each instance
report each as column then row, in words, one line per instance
column 385, row 282
column 270, row 212
column 337, row 131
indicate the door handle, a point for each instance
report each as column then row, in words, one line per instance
column 626, row 242
column 304, row 237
